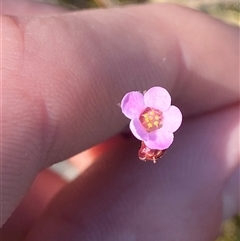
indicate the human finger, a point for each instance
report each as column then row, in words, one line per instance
column 28, row 8
column 58, row 99
column 77, row 75
column 46, row 185
column 122, row 199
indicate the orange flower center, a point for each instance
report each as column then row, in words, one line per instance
column 151, row 119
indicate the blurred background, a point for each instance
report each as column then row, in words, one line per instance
column 227, row 10
column 224, row 9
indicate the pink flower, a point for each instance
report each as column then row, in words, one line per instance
column 153, row 118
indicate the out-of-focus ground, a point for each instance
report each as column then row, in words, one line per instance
column 227, row 10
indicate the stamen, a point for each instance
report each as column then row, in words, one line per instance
column 151, row 119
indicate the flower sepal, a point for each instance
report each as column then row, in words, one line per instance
column 147, row 154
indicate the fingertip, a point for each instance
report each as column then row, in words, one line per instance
column 46, row 185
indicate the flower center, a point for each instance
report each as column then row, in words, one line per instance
column 151, row 119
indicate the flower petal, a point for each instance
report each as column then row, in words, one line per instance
column 132, row 104
column 159, row 140
column 138, row 130
column 157, row 98
column 172, row 119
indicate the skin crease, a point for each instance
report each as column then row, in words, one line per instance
column 45, row 86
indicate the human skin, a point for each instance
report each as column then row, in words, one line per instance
column 61, row 78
